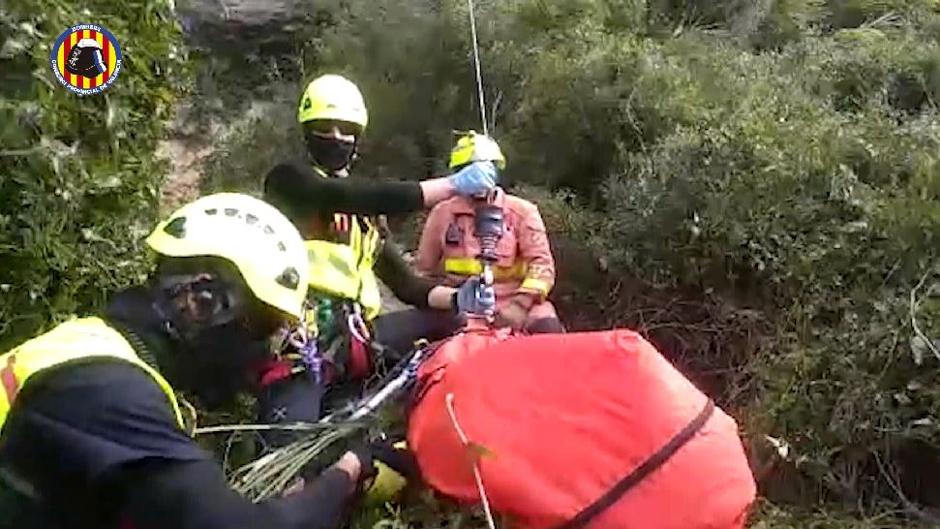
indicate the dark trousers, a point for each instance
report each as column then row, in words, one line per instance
column 294, row 399
column 399, row 330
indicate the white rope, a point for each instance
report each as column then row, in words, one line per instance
column 476, row 63
column 476, row 465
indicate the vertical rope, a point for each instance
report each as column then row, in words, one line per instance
column 476, row 64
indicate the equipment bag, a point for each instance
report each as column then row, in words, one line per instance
column 583, row 430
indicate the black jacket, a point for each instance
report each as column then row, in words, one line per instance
column 301, row 194
column 101, row 447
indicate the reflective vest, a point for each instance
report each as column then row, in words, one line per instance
column 346, row 270
column 73, row 341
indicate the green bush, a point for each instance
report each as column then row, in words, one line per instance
column 252, row 144
column 78, row 178
column 811, row 194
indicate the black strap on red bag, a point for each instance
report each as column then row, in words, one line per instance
column 641, row 472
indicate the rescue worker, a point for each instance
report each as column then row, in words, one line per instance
column 338, row 217
column 448, row 251
column 91, row 427
column 525, row 272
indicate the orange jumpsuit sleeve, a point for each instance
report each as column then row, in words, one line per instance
column 431, row 246
column 536, row 251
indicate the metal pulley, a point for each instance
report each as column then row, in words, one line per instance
column 488, row 229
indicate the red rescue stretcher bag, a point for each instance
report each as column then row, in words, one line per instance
column 582, row 430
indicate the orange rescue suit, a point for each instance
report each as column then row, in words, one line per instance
column 526, row 269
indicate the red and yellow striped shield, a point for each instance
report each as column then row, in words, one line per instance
column 86, row 59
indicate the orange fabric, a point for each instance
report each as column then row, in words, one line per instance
column 524, row 240
column 557, row 430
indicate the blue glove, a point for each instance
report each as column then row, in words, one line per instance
column 475, row 179
column 475, row 298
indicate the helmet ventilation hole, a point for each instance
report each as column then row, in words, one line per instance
column 176, row 227
column 289, row 278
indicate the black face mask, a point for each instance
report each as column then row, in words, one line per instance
column 331, row 153
column 216, row 364
column 213, row 364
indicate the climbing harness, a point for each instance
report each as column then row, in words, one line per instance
column 307, row 347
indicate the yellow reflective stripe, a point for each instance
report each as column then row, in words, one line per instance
column 373, row 237
column 464, row 266
column 370, row 298
column 537, row 285
column 468, row 266
column 516, row 271
column 368, row 294
column 165, row 386
column 74, row 340
column 355, row 237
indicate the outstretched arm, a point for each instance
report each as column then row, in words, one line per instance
column 194, row 495
column 105, row 431
column 298, row 190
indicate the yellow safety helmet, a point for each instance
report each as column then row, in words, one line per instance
column 333, row 97
column 258, row 239
column 473, row 147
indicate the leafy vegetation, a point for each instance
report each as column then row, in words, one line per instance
column 78, row 177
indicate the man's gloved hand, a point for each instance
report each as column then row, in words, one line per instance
column 475, row 179
column 395, row 456
column 396, row 467
column 475, row 298
column 358, row 463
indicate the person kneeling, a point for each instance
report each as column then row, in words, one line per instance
column 92, row 428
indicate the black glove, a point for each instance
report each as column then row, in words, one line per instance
column 398, row 459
